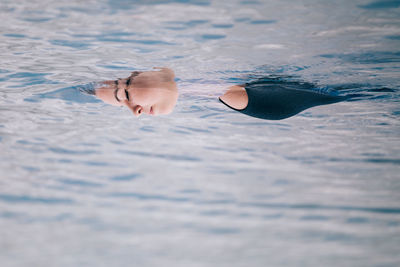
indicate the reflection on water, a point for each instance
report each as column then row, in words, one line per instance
column 84, row 183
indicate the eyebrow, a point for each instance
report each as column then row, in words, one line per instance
column 128, row 82
column 127, row 94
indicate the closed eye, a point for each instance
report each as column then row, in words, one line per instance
column 116, row 95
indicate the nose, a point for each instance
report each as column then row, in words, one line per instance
column 137, row 110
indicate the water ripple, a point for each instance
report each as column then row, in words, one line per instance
column 64, row 151
column 383, row 210
column 382, row 4
column 161, row 156
column 149, row 197
column 126, row 177
column 31, row 199
column 82, row 183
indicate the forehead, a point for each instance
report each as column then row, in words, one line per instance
column 170, row 103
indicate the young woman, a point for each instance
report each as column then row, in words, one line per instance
column 155, row 93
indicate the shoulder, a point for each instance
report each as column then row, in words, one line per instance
column 235, row 97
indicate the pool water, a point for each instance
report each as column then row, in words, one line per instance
column 84, row 183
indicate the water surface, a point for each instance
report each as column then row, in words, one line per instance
column 85, row 183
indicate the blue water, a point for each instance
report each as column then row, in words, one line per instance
column 85, row 183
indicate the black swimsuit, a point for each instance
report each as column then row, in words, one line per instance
column 275, row 99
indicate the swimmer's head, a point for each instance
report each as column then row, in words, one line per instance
column 149, row 92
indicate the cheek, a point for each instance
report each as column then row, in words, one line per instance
column 145, row 97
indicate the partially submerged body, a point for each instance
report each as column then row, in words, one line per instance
column 155, row 92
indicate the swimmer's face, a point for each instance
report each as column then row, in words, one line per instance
column 151, row 92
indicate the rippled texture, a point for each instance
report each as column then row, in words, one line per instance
column 86, row 184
